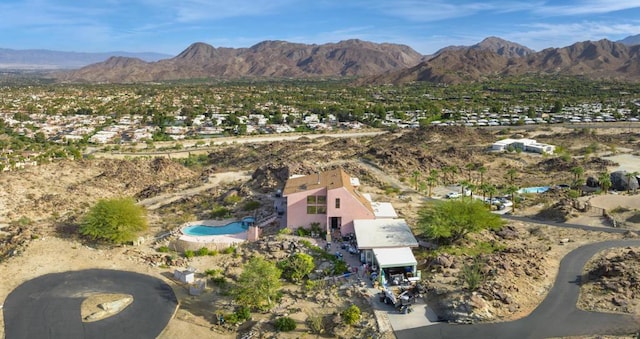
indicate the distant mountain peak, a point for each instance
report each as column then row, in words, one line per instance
column 495, row 44
column 631, row 40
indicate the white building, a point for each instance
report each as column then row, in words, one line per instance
column 527, row 145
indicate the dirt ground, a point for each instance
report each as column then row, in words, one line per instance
column 43, row 196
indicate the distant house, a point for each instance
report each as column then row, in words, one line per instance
column 526, row 145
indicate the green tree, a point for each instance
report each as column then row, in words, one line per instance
column 511, row 174
column 512, row 190
column 258, row 284
column 605, row 181
column 296, row 267
column 451, row 220
column 482, row 170
column 577, row 171
column 116, row 220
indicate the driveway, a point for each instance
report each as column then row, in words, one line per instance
column 556, row 316
column 49, row 306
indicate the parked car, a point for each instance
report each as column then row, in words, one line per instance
column 452, row 195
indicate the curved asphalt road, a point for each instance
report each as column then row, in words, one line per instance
column 49, row 306
column 557, row 315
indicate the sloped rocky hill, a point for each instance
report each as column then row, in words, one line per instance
column 266, row 59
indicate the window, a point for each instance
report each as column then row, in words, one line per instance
column 317, row 204
column 337, row 202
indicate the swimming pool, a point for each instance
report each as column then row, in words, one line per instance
column 539, row 189
column 231, row 228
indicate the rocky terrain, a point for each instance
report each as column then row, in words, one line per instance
column 612, row 282
column 266, row 59
column 41, row 207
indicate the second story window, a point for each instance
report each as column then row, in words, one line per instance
column 317, row 204
column 337, row 202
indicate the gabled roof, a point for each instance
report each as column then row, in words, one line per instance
column 331, row 179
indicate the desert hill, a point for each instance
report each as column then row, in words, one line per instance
column 266, row 59
column 601, row 59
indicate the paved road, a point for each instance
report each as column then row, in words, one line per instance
column 556, row 316
column 49, row 306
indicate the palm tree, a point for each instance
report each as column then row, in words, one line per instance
column 511, row 173
column 470, row 167
column 422, row 186
column 491, row 190
column 431, row 181
column 482, row 170
column 605, row 181
column 512, row 190
column 464, row 184
column 577, row 171
column 415, row 175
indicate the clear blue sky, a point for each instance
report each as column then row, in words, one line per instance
column 170, row 26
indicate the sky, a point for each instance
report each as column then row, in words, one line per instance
column 170, row 26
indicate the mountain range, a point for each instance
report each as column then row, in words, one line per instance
column 46, row 59
column 371, row 62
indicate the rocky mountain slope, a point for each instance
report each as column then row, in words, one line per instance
column 497, row 45
column 266, row 59
column 631, row 40
column 601, row 59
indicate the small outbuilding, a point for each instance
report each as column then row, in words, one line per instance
column 385, row 246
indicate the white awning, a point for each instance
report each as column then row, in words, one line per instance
column 394, row 257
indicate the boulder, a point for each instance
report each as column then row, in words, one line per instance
column 622, row 181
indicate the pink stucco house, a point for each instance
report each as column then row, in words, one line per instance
column 330, row 198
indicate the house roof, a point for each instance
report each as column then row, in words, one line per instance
column 383, row 233
column 327, row 179
column 384, row 210
column 331, row 179
column 394, row 257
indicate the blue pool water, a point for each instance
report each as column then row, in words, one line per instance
column 231, row 228
column 540, row 189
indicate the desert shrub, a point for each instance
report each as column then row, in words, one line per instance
column 315, row 323
column 220, row 212
column 339, row 267
column 212, row 252
column 472, row 275
column 231, row 318
column 251, row 205
column 285, row 324
column 229, row 250
column 202, row 252
column 232, row 199
column 189, row 254
column 296, row 267
column 243, row 313
column 302, row 232
column 163, row 249
column 285, row 231
column 351, row 315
